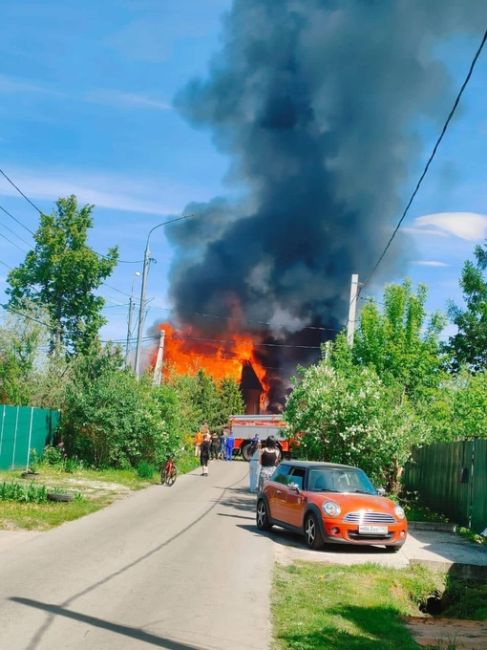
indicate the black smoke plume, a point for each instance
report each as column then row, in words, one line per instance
column 314, row 101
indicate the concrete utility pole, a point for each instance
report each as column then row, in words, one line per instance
column 130, row 321
column 145, row 272
column 140, row 326
column 352, row 309
column 157, row 379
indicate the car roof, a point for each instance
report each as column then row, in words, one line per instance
column 316, row 464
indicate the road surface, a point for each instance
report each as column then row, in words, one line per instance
column 181, row 568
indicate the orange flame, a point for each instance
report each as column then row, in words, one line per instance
column 186, row 351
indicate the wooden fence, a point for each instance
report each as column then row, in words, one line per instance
column 451, row 478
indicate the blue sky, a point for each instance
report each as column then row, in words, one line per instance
column 86, row 93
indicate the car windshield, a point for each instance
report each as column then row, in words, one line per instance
column 335, row 479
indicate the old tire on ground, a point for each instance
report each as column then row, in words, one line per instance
column 29, row 475
column 312, row 532
column 245, row 450
column 262, row 516
column 59, row 497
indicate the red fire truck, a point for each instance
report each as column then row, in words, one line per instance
column 246, row 427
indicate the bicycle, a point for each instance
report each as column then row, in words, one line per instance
column 169, row 472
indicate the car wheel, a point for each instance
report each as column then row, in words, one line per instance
column 394, row 549
column 312, row 532
column 262, row 517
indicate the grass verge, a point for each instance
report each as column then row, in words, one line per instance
column 98, row 488
column 347, row 608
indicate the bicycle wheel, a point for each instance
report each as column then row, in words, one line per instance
column 170, row 476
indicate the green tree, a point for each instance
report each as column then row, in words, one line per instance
column 398, row 343
column 21, row 336
column 231, row 400
column 109, row 417
column 469, row 345
column 61, row 274
column 350, row 416
column 458, row 410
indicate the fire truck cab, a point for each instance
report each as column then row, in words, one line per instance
column 246, row 427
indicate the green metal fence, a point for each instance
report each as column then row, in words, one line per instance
column 452, row 478
column 23, row 428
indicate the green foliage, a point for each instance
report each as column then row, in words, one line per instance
column 21, row 336
column 231, row 400
column 398, row 343
column 368, row 406
column 469, row 345
column 325, row 607
column 111, row 419
column 145, row 470
column 465, row 599
column 456, row 411
column 53, row 455
column 61, row 274
column 350, row 416
column 201, row 400
column 23, row 493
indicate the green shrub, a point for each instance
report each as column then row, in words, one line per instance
column 145, row 470
column 52, row 455
column 22, row 493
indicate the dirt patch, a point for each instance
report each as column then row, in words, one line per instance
column 448, row 632
column 89, row 488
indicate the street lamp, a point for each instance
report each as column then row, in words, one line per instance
column 145, row 271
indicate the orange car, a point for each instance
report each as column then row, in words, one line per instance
column 330, row 503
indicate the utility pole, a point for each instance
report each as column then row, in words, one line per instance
column 129, row 331
column 130, row 320
column 140, row 327
column 352, row 309
column 145, row 272
column 157, row 378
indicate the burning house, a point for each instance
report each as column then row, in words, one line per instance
column 320, row 125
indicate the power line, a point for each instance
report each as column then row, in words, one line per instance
column 13, row 243
column 20, row 191
column 432, row 155
column 10, row 230
column 7, row 265
column 9, row 214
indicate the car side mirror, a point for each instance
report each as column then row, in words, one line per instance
column 381, row 492
column 294, row 487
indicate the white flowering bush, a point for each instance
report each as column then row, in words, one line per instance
column 349, row 416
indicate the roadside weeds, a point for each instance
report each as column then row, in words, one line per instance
column 364, row 607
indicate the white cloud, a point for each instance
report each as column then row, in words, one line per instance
column 434, row 263
column 122, row 99
column 470, row 226
column 411, row 230
column 13, row 85
column 116, row 192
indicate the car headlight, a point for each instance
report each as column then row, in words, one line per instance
column 331, row 508
column 399, row 512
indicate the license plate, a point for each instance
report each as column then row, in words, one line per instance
column 373, row 530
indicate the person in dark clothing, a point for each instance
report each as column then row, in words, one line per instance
column 215, row 445
column 269, row 458
column 205, row 454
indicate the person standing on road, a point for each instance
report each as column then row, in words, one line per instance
column 205, row 454
column 229, row 442
column 215, row 445
column 198, row 439
column 254, row 465
column 269, row 458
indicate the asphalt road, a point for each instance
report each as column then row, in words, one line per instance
column 180, row 568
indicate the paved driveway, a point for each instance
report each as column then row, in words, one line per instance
column 166, row 567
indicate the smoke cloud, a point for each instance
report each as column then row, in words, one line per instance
column 315, row 102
